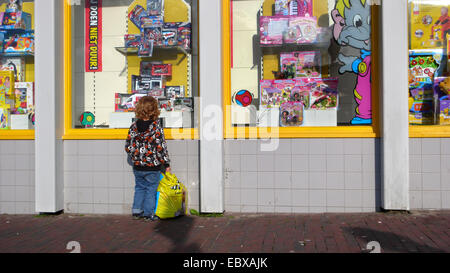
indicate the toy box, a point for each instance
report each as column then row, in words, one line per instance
column 155, row 7
column 162, row 70
column 302, row 64
column 14, row 5
column 183, row 104
column 165, row 104
column 423, row 64
column 146, row 68
column 300, row 93
column 137, row 14
column 301, row 30
column 422, row 105
column 323, row 94
column 144, row 84
column 28, row 89
column 19, row 43
column 153, row 33
column 15, row 64
column 132, row 40
column 7, row 82
column 169, row 37
column 275, row 92
column 127, row 102
column 145, row 48
column 444, row 110
column 156, row 93
column 151, row 21
column 184, row 35
column 272, row 28
column 429, row 22
column 15, row 20
column 173, row 92
column 20, row 100
column 4, row 118
column 291, row 114
column 294, row 7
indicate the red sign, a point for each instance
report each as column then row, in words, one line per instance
column 93, row 36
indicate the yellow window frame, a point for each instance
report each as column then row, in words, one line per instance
column 231, row 132
column 97, row 134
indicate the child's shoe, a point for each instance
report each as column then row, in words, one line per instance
column 137, row 216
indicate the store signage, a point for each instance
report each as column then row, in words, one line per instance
column 93, row 36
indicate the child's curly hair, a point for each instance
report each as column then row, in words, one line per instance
column 147, row 108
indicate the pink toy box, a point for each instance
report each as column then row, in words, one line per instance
column 301, row 30
column 303, row 63
column 272, row 28
column 291, row 114
column 294, row 7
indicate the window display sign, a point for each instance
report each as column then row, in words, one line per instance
column 93, row 36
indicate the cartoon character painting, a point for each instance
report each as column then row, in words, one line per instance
column 352, row 27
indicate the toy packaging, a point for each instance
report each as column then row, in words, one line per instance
column 183, row 104
column 169, row 37
column 270, row 95
column 323, row 94
column 26, row 93
column 19, row 43
column 155, row 7
column 423, row 64
column 137, row 14
column 145, row 48
column 151, row 21
column 300, row 94
column 294, row 7
column 20, row 101
column 154, row 34
column 422, row 105
column 146, row 68
column 444, row 110
column 127, row 102
column 429, row 23
column 184, row 34
column 165, row 104
column 173, row 92
column 132, row 40
column 14, row 5
column 301, row 30
column 291, row 114
column 15, row 20
column 144, row 84
column 162, row 70
column 156, row 92
column 4, row 118
column 15, row 64
column 301, row 64
column 272, row 28
column 7, row 82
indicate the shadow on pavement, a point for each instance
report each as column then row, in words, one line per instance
column 391, row 242
column 178, row 230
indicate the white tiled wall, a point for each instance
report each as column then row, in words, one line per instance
column 303, row 175
column 429, row 173
column 99, row 180
column 17, row 177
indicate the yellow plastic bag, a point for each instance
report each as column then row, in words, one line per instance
column 171, row 197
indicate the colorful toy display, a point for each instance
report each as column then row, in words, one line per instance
column 444, row 110
column 151, row 21
column 137, row 14
column 301, row 64
column 15, row 64
column 243, row 98
column 185, row 35
column 19, row 43
column 87, row 119
column 291, row 114
column 132, row 40
column 7, row 82
column 26, row 89
column 423, row 65
column 422, row 105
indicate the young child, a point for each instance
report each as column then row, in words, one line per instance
column 147, row 148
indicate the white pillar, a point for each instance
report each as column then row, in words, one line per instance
column 49, row 97
column 211, row 118
column 395, row 142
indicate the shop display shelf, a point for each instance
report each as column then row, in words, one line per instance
column 16, row 54
column 134, row 50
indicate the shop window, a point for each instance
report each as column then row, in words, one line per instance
column 16, row 68
column 429, row 78
column 122, row 50
column 302, row 64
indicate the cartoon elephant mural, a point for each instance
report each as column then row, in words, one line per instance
column 352, row 27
